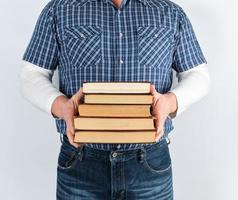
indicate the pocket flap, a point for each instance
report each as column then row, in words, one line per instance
column 153, row 31
column 82, row 31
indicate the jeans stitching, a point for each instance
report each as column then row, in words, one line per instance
column 77, row 156
column 146, row 164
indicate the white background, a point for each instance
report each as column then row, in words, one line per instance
column 203, row 144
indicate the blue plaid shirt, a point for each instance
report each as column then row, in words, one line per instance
column 92, row 40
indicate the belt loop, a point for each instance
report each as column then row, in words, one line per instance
column 142, row 154
column 81, row 151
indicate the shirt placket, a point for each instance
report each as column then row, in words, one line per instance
column 118, row 57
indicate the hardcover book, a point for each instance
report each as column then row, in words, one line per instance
column 95, row 110
column 118, row 98
column 106, row 137
column 117, row 87
column 113, row 123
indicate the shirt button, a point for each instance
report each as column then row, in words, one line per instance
column 121, row 34
column 82, row 35
column 118, row 146
column 121, row 62
column 114, row 154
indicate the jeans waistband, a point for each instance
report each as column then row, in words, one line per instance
column 86, row 150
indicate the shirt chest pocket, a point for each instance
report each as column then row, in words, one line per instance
column 83, row 45
column 154, row 46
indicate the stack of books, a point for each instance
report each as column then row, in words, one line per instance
column 115, row 112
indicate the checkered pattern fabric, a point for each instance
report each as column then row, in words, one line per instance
column 92, row 40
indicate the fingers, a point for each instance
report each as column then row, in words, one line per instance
column 159, row 134
column 156, row 98
column 70, row 136
column 155, row 110
column 159, row 124
column 159, row 121
column 76, row 98
column 71, row 133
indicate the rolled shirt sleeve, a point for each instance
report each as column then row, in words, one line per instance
column 187, row 51
column 43, row 48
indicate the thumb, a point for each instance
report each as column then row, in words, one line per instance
column 152, row 89
column 80, row 92
column 79, row 95
column 155, row 94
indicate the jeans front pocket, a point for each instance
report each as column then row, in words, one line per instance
column 83, row 45
column 68, row 156
column 154, row 45
column 157, row 160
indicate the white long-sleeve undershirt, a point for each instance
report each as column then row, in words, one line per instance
column 192, row 86
column 35, row 84
column 37, row 87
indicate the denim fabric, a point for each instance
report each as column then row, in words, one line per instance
column 92, row 40
column 92, row 174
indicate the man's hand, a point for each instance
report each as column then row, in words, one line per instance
column 164, row 105
column 68, row 108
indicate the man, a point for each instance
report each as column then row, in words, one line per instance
column 121, row 40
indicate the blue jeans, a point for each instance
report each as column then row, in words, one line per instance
column 86, row 173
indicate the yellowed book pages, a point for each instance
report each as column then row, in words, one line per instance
column 107, row 123
column 118, row 99
column 116, row 87
column 115, row 137
column 95, row 110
